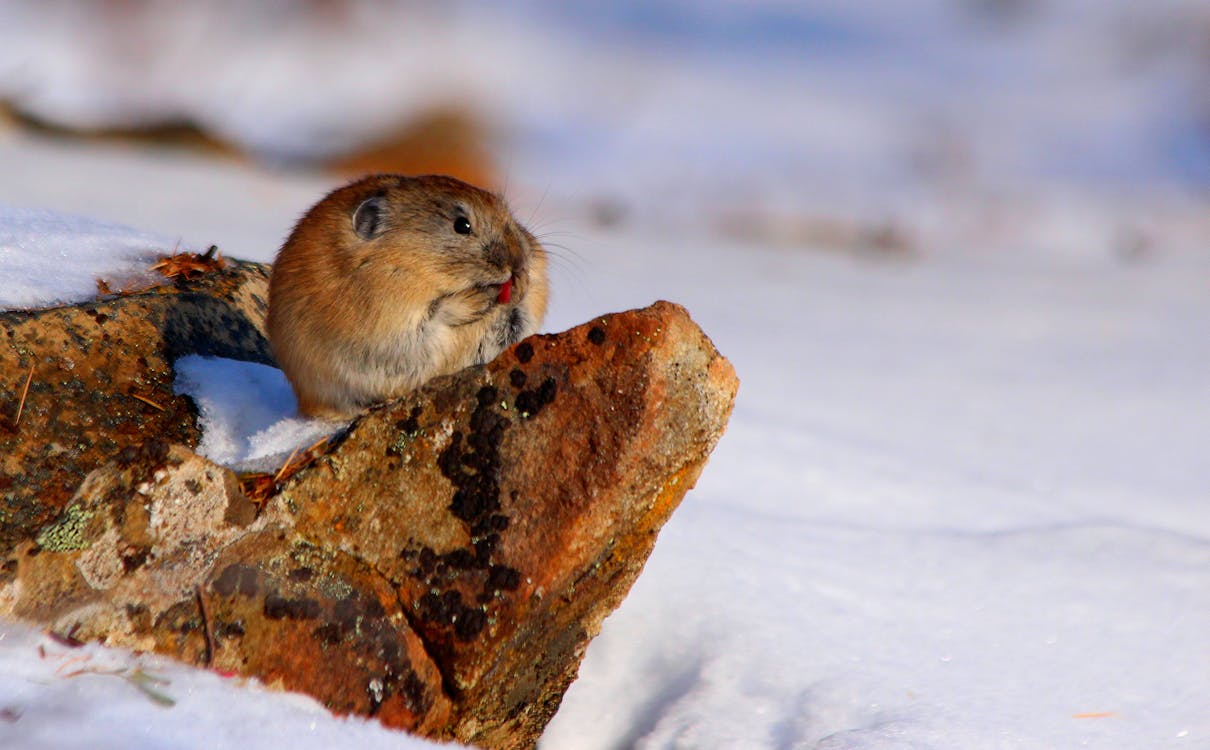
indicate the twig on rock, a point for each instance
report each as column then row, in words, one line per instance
column 147, row 401
column 282, row 471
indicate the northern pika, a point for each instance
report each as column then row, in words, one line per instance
column 390, row 281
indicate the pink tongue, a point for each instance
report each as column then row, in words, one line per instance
column 506, row 292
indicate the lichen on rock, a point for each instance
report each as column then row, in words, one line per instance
column 68, row 533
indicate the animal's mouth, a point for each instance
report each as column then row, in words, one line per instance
column 506, row 292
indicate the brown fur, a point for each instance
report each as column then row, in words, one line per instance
column 355, row 320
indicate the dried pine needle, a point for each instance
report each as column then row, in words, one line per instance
column 24, row 392
column 147, row 401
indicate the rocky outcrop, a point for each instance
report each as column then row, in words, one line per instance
column 441, row 565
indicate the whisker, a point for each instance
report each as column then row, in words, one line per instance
column 534, row 213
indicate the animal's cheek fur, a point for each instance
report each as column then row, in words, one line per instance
column 462, row 309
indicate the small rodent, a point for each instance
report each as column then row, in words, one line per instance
column 390, row 281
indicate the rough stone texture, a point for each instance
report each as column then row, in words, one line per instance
column 441, row 567
column 512, row 506
column 92, row 365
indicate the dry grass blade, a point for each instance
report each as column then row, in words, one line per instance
column 282, row 471
column 24, row 392
column 259, row 486
column 318, row 444
column 147, row 401
column 149, row 685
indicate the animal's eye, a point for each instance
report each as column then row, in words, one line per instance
column 462, row 225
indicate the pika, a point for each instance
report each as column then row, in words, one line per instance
column 391, row 281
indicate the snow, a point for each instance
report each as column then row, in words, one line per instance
column 248, row 414
column 53, row 258
column 962, row 499
column 54, row 697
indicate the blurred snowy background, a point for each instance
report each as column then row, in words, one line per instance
column 958, row 250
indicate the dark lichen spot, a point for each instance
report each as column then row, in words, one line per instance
column 135, row 610
column 233, row 629
column 548, row 390
column 459, row 559
column 531, row 402
column 236, row 578
column 346, row 614
column 502, row 577
column 413, row 692
column 489, row 524
column 373, row 608
column 470, row 623
column 449, row 459
column 193, row 486
column 517, row 378
column 301, row 575
column 597, row 335
column 152, row 452
column 279, row 607
column 411, row 425
column 473, row 465
column 388, row 652
column 484, row 548
column 524, row 352
column 487, row 395
column 328, row 634
column 442, row 609
column 427, row 561
column 468, row 505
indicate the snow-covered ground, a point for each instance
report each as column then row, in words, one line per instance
column 54, row 697
column 964, row 499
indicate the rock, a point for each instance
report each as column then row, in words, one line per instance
column 102, row 382
column 441, row 566
column 512, row 506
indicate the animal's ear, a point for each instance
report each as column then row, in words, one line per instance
column 367, row 219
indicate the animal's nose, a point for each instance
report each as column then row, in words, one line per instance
column 505, row 251
column 496, row 253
